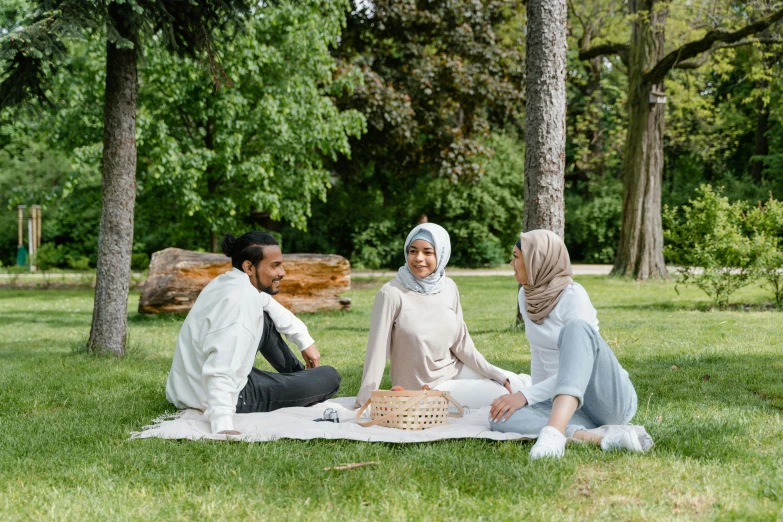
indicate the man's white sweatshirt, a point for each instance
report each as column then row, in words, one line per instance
column 217, row 346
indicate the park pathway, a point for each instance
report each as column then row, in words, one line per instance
column 452, row 272
column 480, row 272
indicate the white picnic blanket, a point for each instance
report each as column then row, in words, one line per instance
column 298, row 423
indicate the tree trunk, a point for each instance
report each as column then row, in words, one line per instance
column 118, row 196
column 545, row 115
column 640, row 253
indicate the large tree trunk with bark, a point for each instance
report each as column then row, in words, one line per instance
column 118, row 196
column 640, row 253
column 545, row 115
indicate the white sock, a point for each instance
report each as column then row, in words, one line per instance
column 622, row 440
column 550, row 443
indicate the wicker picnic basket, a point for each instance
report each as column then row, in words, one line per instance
column 409, row 410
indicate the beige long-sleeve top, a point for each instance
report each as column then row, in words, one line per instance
column 424, row 336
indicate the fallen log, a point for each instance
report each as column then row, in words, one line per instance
column 176, row 277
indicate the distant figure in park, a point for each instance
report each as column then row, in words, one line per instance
column 578, row 384
column 234, row 317
column 417, row 323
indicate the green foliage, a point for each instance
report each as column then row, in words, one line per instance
column 254, row 149
column 31, row 172
column 36, row 46
column 709, row 242
column 81, row 264
column 593, row 221
column 596, row 122
column 437, row 77
column 210, row 158
column 140, row 261
column 47, row 257
column 483, row 218
column 766, row 221
column 420, row 94
column 378, row 245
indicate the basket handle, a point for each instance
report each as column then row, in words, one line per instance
column 405, row 407
column 451, row 399
column 364, row 407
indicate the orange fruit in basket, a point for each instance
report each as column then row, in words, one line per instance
column 397, row 388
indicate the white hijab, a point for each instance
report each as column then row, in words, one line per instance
column 437, row 236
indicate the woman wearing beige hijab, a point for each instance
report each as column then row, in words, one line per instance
column 578, row 384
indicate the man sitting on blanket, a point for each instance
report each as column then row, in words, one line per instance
column 234, row 317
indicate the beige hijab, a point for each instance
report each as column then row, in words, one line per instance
column 548, row 270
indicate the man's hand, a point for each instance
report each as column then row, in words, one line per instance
column 229, row 432
column 311, row 357
column 506, row 405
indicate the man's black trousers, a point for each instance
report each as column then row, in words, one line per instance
column 292, row 386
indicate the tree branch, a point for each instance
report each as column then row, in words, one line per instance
column 618, row 49
column 695, row 64
column 576, row 14
column 694, row 49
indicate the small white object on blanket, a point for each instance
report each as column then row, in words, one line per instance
column 298, row 423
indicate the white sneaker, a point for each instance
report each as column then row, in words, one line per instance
column 550, row 443
column 622, row 440
column 646, row 442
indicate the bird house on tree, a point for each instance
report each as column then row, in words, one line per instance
column 657, row 97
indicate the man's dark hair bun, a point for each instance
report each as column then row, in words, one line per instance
column 248, row 247
column 229, row 245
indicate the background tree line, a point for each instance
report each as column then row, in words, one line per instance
column 339, row 126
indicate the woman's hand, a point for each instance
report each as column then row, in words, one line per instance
column 506, row 405
column 507, row 385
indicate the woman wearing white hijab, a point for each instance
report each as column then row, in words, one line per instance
column 578, row 384
column 417, row 324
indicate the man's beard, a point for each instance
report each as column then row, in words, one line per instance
column 268, row 289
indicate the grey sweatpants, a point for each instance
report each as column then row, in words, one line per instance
column 589, row 371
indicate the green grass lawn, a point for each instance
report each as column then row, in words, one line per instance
column 710, row 386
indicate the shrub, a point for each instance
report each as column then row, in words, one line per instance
column 49, row 256
column 593, row 223
column 369, row 224
column 766, row 221
column 378, row 245
column 771, row 267
column 708, row 240
column 80, row 263
column 14, row 271
column 140, row 261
